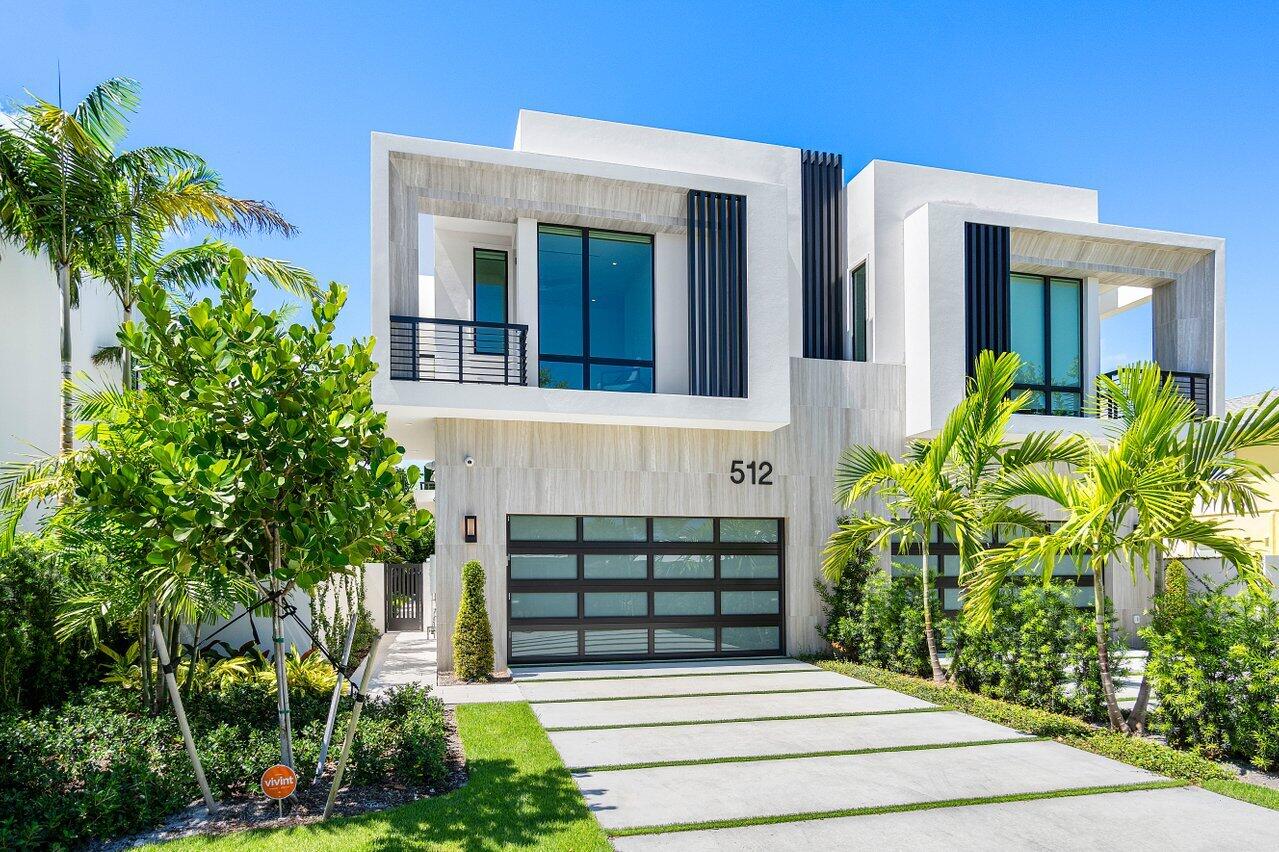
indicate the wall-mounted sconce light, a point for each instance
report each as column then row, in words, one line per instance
column 470, row 529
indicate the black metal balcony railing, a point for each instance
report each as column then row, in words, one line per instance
column 427, row 349
column 1195, row 387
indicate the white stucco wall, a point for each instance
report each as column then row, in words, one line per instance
column 30, row 377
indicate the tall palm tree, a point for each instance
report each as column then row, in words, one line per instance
column 53, row 175
column 154, row 190
column 943, row 483
column 1133, row 497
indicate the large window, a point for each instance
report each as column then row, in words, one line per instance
column 595, row 309
column 490, row 300
column 1047, row 332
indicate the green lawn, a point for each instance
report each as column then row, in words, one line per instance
column 519, row 796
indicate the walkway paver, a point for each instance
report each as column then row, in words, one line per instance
column 647, row 687
column 710, row 708
column 1177, row 820
column 729, row 744
column 781, row 737
column 724, row 791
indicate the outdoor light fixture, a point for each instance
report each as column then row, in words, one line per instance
column 470, row 529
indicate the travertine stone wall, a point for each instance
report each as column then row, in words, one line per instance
column 562, row 468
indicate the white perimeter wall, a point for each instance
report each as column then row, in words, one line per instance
column 30, row 403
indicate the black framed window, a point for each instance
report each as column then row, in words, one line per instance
column 857, row 324
column 943, row 565
column 490, row 273
column 1046, row 330
column 595, row 309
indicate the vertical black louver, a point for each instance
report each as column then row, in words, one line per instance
column 986, row 290
column 824, row 236
column 716, row 294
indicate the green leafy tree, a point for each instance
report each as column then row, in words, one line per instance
column 1131, row 498
column 252, row 450
column 472, row 634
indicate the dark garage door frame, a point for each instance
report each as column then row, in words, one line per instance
column 580, row 585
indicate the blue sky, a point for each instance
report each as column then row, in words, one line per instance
column 1170, row 110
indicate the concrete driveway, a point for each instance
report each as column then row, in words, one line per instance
column 817, row 759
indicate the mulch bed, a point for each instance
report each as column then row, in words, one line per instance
column 447, row 679
column 259, row 812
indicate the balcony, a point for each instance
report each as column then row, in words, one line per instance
column 1195, row 387
column 427, row 349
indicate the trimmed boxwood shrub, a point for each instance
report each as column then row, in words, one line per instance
column 1214, row 668
column 472, row 633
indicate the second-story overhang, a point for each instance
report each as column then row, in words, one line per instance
column 1183, row 274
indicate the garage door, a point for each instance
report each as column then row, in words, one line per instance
column 618, row 588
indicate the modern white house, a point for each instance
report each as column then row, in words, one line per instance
column 633, row 357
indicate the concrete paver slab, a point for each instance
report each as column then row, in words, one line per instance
column 579, row 690
column 718, row 791
column 478, row 693
column 709, row 708
column 778, row 737
column 1179, row 820
column 658, row 668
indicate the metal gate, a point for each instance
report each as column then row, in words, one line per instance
column 404, row 597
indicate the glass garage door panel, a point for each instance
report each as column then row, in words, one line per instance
column 600, row 587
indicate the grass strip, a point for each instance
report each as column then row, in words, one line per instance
column 518, row 796
column 1135, row 751
column 681, row 723
column 697, row 695
column 757, row 758
column 893, row 809
column 1266, row 797
column 657, row 676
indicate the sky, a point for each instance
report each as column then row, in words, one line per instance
column 1170, row 110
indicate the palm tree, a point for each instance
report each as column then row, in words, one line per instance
column 1131, row 498
column 52, row 191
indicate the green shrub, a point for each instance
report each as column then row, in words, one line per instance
column 36, row 669
column 1214, row 668
column 887, row 629
column 88, row 770
column 401, row 734
column 472, row 634
column 1040, row 651
column 1136, row 751
column 842, row 601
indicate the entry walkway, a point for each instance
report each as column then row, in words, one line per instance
column 809, row 758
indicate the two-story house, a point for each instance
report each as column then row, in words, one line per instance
column 634, row 355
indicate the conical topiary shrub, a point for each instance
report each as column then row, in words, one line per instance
column 472, row 633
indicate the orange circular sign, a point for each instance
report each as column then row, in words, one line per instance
column 279, row 782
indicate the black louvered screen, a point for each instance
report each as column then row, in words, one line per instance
column 716, row 294
column 823, row 259
column 986, row 290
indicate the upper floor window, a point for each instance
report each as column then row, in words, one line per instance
column 857, row 326
column 1047, row 332
column 595, row 309
column 490, row 300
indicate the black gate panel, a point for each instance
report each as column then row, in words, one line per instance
column 404, row 597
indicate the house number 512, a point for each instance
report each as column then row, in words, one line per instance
column 757, row 473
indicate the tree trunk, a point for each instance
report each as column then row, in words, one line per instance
column 188, row 687
column 280, row 651
column 144, row 661
column 126, row 358
column 1137, row 716
column 64, row 292
column 939, row 677
column 1103, row 651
